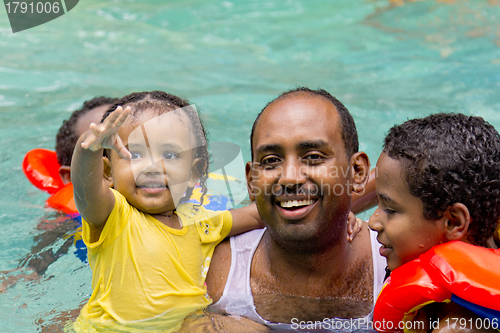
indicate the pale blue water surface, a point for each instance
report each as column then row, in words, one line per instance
column 385, row 62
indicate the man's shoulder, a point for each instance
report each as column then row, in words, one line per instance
column 221, row 261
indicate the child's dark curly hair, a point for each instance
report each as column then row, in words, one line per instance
column 66, row 138
column 349, row 133
column 450, row 158
column 160, row 102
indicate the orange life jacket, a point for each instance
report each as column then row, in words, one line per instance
column 447, row 271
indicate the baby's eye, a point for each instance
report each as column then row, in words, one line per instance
column 135, row 155
column 170, row 155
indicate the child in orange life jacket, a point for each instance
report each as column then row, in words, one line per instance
column 149, row 250
column 439, row 181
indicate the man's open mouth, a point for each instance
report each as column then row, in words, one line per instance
column 291, row 204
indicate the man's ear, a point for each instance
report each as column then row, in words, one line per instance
column 197, row 168
column 106, row 172
column 360, row 170
column 248, row 173
column 65, row 174
column 456, row 221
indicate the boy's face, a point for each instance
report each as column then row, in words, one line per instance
column 402, row 229
column 162, row 149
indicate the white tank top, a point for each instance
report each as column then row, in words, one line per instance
column 237, row 298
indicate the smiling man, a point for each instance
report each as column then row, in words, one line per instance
column 305, row 167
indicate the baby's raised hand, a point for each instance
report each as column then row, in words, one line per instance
column 105, row 136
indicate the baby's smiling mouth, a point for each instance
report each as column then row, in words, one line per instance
column 152, row 185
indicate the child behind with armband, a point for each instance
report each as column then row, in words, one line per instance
column 438, row 183
column 148, row 248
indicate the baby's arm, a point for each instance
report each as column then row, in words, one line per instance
column 93, row 198
column 245, row 219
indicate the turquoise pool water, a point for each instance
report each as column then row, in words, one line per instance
column 385, row 61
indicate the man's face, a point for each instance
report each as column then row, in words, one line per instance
column 300, row 178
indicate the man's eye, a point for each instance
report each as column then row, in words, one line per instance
column 313, row 158
column 269, row 162
column 170, row 155
column 135, row 155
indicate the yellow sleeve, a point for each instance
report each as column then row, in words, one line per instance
column 115, row 224
column 212, row 226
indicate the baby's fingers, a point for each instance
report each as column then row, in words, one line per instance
column 120, row 148
column 117, row 117
column 90, row 141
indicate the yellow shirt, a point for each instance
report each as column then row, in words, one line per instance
column 145, row 273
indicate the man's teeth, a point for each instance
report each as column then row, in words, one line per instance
column 296, row 203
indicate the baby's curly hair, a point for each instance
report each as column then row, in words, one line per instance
column 450, row 158
column 161, row 102
column 66, row 138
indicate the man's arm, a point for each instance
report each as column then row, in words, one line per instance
column 219, row 270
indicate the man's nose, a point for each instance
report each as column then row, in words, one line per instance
column 292, row 174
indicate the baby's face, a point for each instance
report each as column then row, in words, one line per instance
column 160, row 170
column 402, row 229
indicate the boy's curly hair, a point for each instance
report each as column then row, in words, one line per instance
column 161, row 102
column 450, row 158
column 66, row 137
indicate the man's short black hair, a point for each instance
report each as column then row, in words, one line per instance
column 348, row 127
column 451, row 158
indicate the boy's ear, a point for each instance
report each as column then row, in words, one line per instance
column 248, row 173
column 196, row 167
column 65, row 174
column 360, row 170
column 457, row 220
column 108, row 176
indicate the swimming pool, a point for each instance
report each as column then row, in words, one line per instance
column 386, row 61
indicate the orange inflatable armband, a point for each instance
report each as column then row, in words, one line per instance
column 41, row 168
